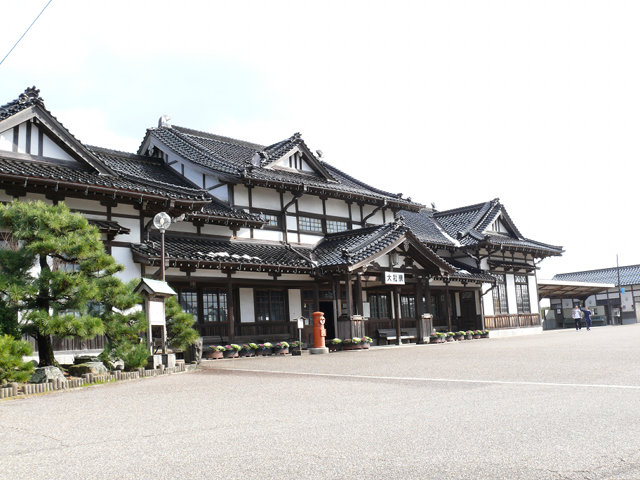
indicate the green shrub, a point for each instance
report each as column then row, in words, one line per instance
column 12, row 368
column 133, row 356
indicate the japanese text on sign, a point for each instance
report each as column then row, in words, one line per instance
column 394, row 278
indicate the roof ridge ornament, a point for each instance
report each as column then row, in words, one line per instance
column 163, row 121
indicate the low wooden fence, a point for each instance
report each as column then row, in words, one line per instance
column 85, row 380
column 515, row 320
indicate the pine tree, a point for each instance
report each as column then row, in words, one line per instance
column 180, row 333
column 53, row 271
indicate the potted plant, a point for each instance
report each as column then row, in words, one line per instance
column 335, row 345
column 449, row 336
column 231, row 351
column 215, row 352
column 351, row 343
column 485, row 334
column 366, row 342
column 267, row 348
column 281, row 348
column 459, row 335
column 468, row 335
column 477, row 334
column 295, row 348
column 246, row 351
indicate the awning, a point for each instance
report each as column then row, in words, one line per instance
column 564, row 289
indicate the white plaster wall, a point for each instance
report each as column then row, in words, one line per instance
column 22, row 137
column 376, row 219
column 295, row 277
column 295, row 303
column 458, row 309
column 292, row 223
column 487, row 300
column 34, row 139
column 310, row 204
column 306, row 238
column 193, row 174
column 511, row 294
column 355, row 213
column 124, row 209
column 4, row 197
column 38, row 196
column 84, row 204
column 123, row 256
column 567, row 303
column 215, row 230
column 50, row 149
column 247, row 308
column 337, row 208
column 221, row 193
column 265, row 198
column 186, row 227
column 267, row 235
column 240, row 195
column 206, row 273
column 533, row 294
column 384, row 261
column 244, row 233
column 6, row 140
column 134, row 226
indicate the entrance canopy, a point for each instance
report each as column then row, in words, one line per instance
column 564, row 289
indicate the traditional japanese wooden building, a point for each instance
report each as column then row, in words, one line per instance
column 264, row 234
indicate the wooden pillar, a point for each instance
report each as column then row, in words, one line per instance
column 316, row 297
column 230, row 315
column 335, row 305
column 359, row 308
column 427, row 296
column 397, row 313
column 348, row 299
column 419, row 310
column 447, row 304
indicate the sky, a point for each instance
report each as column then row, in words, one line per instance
column 453, row 103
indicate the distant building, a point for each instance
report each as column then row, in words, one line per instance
column 618, row 304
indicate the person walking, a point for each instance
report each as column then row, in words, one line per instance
column 576, row 314
column 587, row 316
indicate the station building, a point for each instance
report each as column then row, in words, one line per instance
column 264, row 234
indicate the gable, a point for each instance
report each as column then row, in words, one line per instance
column 499, row 226
column 294, row 160
column 30, row 138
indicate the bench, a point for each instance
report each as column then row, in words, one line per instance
column 595, row 320
column 388, row 334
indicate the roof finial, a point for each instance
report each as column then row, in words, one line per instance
column 163, row 121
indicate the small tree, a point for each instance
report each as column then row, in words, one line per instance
column 123, row 323
column 53, row 273
column 12, row 368
column 180, row 333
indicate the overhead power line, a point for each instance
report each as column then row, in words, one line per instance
column 25, row 32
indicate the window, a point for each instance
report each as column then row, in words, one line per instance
column 214, row 305
column 271, row 306
column 308, row 304
column 500, row 296
column 407, row 306
column 379, row 305
column 272, row 220
column 334, row 226
column 189, row 302
column 310, row 224
column 522, row 294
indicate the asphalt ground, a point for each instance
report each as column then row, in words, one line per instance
column 560, row 405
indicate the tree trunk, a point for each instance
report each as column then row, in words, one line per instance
column 45, row 350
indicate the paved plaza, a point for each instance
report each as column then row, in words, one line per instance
column 560, row 405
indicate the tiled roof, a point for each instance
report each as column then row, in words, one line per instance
column 468, row 225
column 109, row 226
column 30, row 97
column 629, row 275
column 353, row 246
column 466, row 272
column 234, row 157
column 217, row 210
column 210, row 253
column 424, row 226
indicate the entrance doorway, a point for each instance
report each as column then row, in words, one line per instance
column 326, row 307
column 468, row 311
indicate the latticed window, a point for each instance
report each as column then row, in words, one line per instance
column 309, row 224
column 379, row 305
column 214, row 305
column 308, row 304
column 522, row 294
column 271, row 306
column 335, row 226
column 189, row 302
column 272, row 220
column 407, row 306
column 500, row 296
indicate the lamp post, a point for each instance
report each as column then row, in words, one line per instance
column 162, row 222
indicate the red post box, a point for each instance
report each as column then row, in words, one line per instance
column 319, row 332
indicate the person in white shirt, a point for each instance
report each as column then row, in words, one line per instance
column 576, row 314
